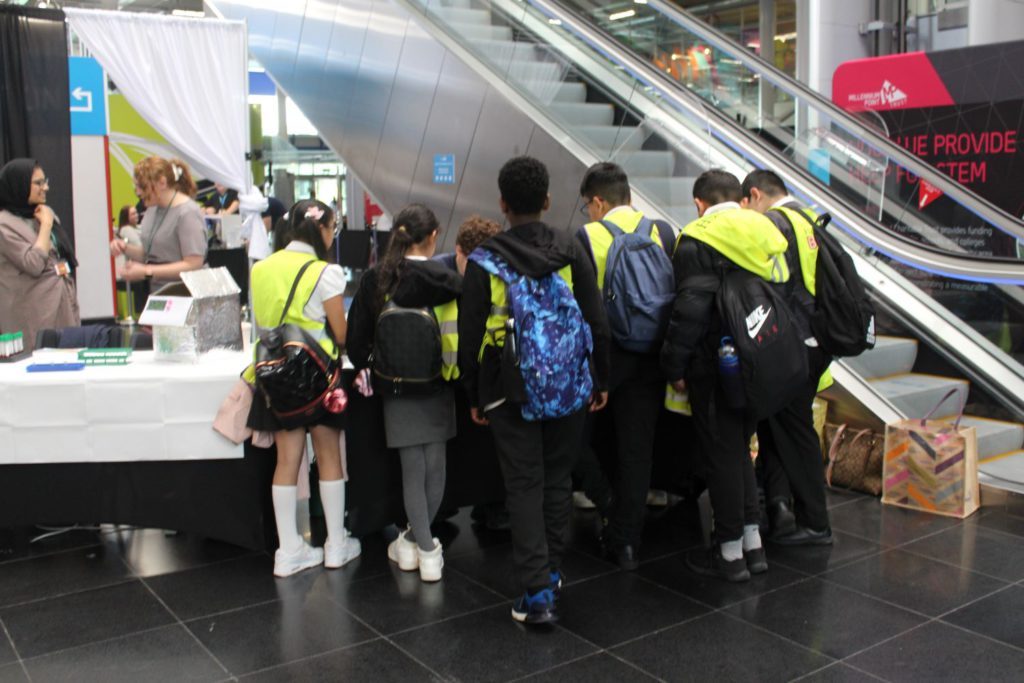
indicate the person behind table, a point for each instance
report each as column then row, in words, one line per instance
column 536, row 457
column 128, row 225
column 37, row 259
column 173, row 230
column 419, row 426
column 789, row 453
column 323, row 315
column 222, row 202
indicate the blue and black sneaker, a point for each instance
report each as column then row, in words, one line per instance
column 538, row 608
column 557, row 579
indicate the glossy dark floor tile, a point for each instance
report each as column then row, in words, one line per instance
column 7, row 653
column 12, row 673
column 718, row 648
column 490, row 646
column 886, row 524
column 45, row 626
column 826, row 618
column 164, row 654
column 377, row 661
column 672, row 573
column 939, row 652
column 494, row 568
column 978, row 548
column 400, row 601
column 460, row 534
column 997, row 520
column 218, row 587
column 278, row 632
column 612, row 609
column 815, row 559
column 151, row 552
column 836, row 497
column 16, row 543
column 60, row 573
column 372, row 561
column 599, row 668
column 999, row 616
column 838, row 673
column 914, row 582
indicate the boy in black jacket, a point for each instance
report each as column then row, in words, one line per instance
column 536, row 457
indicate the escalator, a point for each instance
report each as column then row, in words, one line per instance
column 392, row 85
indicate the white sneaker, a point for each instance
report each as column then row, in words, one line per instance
column 403, row 552
column 580, row 500
column 337, row 555
column 431, row 562
column 286, row 564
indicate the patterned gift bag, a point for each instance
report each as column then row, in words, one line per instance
column 932, row 465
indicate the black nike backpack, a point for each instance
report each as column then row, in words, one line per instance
column 773, row 357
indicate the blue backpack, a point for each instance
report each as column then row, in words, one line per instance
column 552, row 340
column 639, row 287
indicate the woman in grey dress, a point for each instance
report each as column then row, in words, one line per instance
column 37, row 259
column 418, row 425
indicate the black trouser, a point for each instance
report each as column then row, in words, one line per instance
column 768, row 467
column 536, row 463
column 588, row 473
column 724, row 436
column 793, row 446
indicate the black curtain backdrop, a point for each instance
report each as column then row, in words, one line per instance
column 34, row 101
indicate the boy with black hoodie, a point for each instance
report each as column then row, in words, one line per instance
column 536, row 457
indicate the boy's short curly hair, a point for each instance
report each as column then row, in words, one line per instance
column 523, row 182
column 474, row 231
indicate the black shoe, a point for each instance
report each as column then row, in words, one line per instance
column 498, row 519
column 625, row 557
column 711, row 563
column 783, row 520
column 805, row 536
column 756, row 560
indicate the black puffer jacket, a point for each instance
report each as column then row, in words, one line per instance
column 420, row 284
column 533, row 249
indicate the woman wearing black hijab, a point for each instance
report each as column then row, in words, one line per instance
column 37, row 260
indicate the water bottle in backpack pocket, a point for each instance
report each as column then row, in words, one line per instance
column 730, row 374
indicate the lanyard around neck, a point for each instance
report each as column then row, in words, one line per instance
column 159, row 224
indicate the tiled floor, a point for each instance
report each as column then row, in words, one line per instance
column 901, row 596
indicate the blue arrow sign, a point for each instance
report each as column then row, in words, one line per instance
column 88, row 96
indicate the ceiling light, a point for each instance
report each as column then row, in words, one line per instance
column 639, row 2
column 555, row 22
column 188, row 13
column 622, row 15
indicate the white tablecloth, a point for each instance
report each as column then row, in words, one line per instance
column 141, row 411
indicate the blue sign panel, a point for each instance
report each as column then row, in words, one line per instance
column 444, row 169
column 88, row 96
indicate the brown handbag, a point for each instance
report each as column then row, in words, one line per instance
column 854, row 459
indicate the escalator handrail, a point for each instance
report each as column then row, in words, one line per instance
column 866, row 230
column 977, row 204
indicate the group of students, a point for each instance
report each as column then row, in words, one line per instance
column 523, row 320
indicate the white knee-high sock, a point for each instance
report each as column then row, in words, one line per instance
column 332, row 496
column 285, row 502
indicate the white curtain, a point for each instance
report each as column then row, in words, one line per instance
column 189, row 79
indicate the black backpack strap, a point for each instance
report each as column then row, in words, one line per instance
column 667, row 235
column 295, row 286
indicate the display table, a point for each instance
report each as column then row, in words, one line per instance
column 143, row 411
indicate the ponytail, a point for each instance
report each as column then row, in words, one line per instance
column 413, row 224
column 181, row 178
column 307, row 218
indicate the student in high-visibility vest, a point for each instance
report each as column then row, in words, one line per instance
column 636, row 384
column 536, row 457
column 725, row 238
column 317, row 305
column 789, row 446
column 418, row 425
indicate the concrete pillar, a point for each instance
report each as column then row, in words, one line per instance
column 994, row 21
column 829, row 35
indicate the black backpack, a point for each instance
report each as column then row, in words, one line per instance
column 843, row 320
column 773, row 357
column 293, row 371
column 406, row 351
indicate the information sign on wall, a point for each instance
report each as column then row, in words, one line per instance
column 444, row 169
column 88, row 96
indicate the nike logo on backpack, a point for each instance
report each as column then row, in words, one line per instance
column 756, row 320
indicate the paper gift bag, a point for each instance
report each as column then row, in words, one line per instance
column 932, row 465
